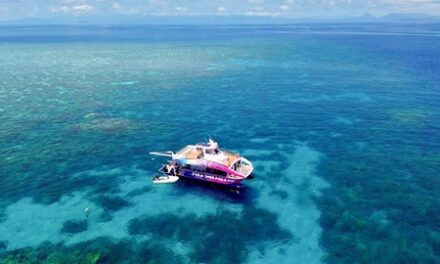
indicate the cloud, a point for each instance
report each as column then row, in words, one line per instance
column 181, row 9
column 262, row 13
column 123, row 9
column 221, row 9
column 82, row 8
column 157, row 2
column 14, row 9
column 259, row 11
column 73, row 1
column 76, row 9
column 409, row 6
column 405, row 2
column 116, row 5
column 256, row 1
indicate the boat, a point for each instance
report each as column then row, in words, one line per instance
column 165, row 179
column 207, row 162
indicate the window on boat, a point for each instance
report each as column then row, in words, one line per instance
column 210, row 151
column 201, row 169
column 236, row 166
column 195, row 168
column 216, row 172
column 199, row 153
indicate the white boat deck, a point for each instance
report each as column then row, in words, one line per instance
column 224, row 157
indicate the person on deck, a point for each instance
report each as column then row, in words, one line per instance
column 171, row 169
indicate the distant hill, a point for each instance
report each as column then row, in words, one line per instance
column 390, row 18
column 409, row 17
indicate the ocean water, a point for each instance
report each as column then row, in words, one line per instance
column 341, row 122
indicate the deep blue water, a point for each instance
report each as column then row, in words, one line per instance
column 341, row 122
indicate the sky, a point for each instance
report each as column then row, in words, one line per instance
column 19, row 9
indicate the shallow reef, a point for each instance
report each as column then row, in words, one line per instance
column 105, row 124
column 101, row 250
column 223, row 237
column 78, row 119
column 376, row 207
column 411, row 117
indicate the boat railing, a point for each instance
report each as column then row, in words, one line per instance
column 230, row 176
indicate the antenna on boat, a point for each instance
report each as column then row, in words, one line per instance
column 210, row 140
column 162, row 153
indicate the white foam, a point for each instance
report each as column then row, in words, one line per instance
column 259, row 140
column 124, row 83
column 346, row 120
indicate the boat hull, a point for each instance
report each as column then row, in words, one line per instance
column 210, row 178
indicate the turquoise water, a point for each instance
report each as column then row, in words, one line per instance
column 343, row 127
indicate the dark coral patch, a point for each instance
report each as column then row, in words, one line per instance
column 379, row 220
column 139, row 191
column 214, row 233
column 98, row 251
column 3, row 245
column 74, row 226
column 112, row 203
column 154, row 252
column 105, row 217
column 280, row 193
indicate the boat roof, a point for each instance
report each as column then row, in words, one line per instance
column 193, row 152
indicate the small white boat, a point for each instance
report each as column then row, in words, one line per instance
column 165, row 179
